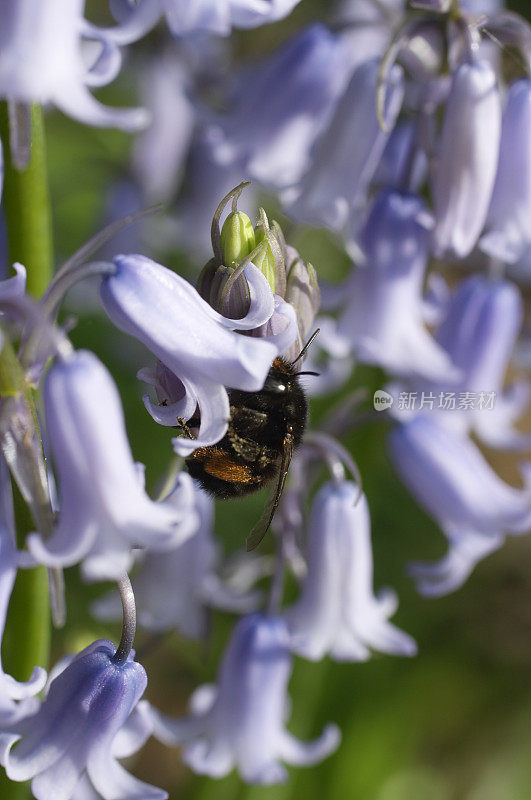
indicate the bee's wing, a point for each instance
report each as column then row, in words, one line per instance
column 262, row 526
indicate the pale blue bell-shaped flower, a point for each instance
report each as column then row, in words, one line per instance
column 187, row 18
column 131, row 737
column 17, row 699
column 104, row 511
column 479, row 330
column 509, row 233
column 69, row 743
column 199, row 345
column 279, row 108
column 383, row 308
column 467, row 157
column 175, row 588
column 451, row 479
column 240, row 721
column 347, row 153
column 164, row 91
column 337, row 612
column 42, row 61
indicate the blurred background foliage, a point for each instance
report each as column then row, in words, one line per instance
column 454, row 723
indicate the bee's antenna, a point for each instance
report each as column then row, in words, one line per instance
column 307, row 373
column 305, row 348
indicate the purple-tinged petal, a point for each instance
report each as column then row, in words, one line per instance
column 72, row 733
column 14, row 287
column 383, row 315
column 305, row 754
column 166, row 313
column 104, row 510
column 450, row 478
column 164, row 92
column 242, row 724
column 42, row 60
column 466, row 549
column 346, row 156
column 509, row 232
column 337, row 612
column 466, row 159
column 281, row 106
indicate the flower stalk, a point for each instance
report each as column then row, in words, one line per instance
column 26, row 204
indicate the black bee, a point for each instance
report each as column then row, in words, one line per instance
column 264, row 429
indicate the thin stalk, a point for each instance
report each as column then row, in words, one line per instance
column 26, row 204
column 129, row 620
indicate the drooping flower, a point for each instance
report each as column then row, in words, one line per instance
column 69, row 742
column 346, row 155
column 104, row 510
column 279, row 109
column 383, row 312
column 508, row 220
column 174, row 589
column 164, row 89
column 466, row 159
column 17, row 699
column 41, row 61
column 201, row 16
column 337, row 612
column 240, row 722
column 197, row 344
column 479, row 329
column 451, row 479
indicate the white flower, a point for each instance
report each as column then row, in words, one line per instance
column 240, row 722
column 196, row 343
column 466, row 159
column 42, row 61
column 337, row 612
column 383, row 309
column 451, row 479
column 104, row 510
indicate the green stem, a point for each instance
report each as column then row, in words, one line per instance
column 26, row 205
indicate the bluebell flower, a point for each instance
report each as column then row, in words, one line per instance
column 134, row 733
column 185, row 18
column 41, row 61
column 164, row 92
column 337, row 612
column 403, row 165
column 104, row 510
column 467, row 157
column 278, row 109
column 174, row 589
column 346, row 155
column 479, row 330
column 508, row 221
column 196, row 343
column 17, row 699
column 240, row 722
column 70, row 738
column 383, row 311
column 451, row 479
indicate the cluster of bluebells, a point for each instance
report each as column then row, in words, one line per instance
column 409, row 148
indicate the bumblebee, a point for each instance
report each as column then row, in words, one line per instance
column 264, row 429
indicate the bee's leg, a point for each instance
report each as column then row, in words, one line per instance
column 185, row 429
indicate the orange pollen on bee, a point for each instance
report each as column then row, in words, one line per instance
column 220, row 465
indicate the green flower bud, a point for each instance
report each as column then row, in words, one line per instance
column 265, row 260
column 302, row 291
column 237, row 238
